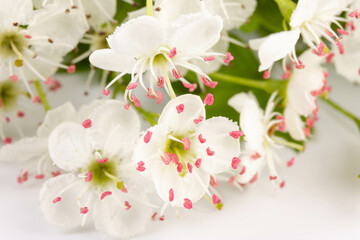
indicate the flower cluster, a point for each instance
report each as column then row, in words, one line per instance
column 118, row 164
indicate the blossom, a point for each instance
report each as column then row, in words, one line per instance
column 101, row 182
column 184, row 151
column 143, row 45
column 258, row 128
column 303, row 88
column 35, row 52
column 312, row 20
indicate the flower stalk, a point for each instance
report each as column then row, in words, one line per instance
column 42, row 95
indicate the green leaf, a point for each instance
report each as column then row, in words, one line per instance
column 286, row 8
column 268, row 16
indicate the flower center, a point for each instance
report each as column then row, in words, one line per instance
column 102, row 173
column 12, row 44
column 159, row 60
column 9, row 92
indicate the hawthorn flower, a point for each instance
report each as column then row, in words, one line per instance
column 185, row 150
column 258, row 127
column 312, row 20
column 35, row 52
column 144, row 46
column 102, row 182
column 303, row 88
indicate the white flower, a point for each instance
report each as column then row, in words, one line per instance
column 301, row 92
column 258, row 128
column 184, row 150
column 102, row 179
column 35, row 52
column 144, row 45
column 312, row 20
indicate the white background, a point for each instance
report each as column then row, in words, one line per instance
column 321, row 199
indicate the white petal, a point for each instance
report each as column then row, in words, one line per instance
column 192, row 186
column 65, row 213
column 99, row 11
column 180, row 123
column 114, row 129
column 15, row 11
column 195, row 32
column 112, row 219
column 110, row 60
column 251, row 119
column 216, row 132
column 305, row 10
column 65, row 112
column 138, row 37
column 26, row 149
column 294, row 124
column 276, row 46
column 85, row 110
column 68, row 146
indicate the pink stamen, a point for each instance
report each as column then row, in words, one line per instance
column 209, row 99
column 171, row 195
column 14, row 78
column 243, row 169
column 7, row 140
column 214, row 182
column 27, row 36
column 215, row 199
column 127, row 205
column 49, row 81
column 20, row 114
column 255, row 156
column 281, row 124
column 88, row 176
column 236, row 134
column 254, row 178
column 22, row 177
column 231, row 180
column 209, row 58
column 342, row 32
column 140, row 166
column 198, row 162
column 310, row 122
column 172, row 52
column 291, row 162
column 266, row 75
column 340, row 46
column 160, row 97
column 87, row 123
column 177, row 73
column 104, row 194
column 197, row 120
column 235, row 162
column 186, row 142
column 354, row 14
column 162, row 218
column 36, row 99
column 350, row 25
column 84, row 210
column 166, row 159
column 201, row 138
column 71, row 68
column 55, row 174
column 39, row 176
column 329, row 57
column 208, row 83
column 187, row 203
column 273, row 178
column 106, row 92
column 209, row 152
column 180, row 108
column 174, row 158
column 189, row 167
column 147, row 137
column 330, row 34
column 228, row 58
column 57, row 199
column 307, row 132
column 286, row 75
column 102, row 160
column 136, row 101
column 160, row 82
column 127, row 106
column 282, row 184
column 179, row 167
column 191, row 86
column 132, row 86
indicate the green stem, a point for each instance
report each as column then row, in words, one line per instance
column 268, row 86
column 42, row 95
column 149, row 8
column 342, row 110
column 150, row 117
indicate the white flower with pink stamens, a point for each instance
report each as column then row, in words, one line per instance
column 144, row 45
column 303, row 88
column 102, row 182
column 258, row 127
column 185, row 149
column 312, row 20
column 35, row 52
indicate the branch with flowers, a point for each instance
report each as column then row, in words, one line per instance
column 183, row 96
